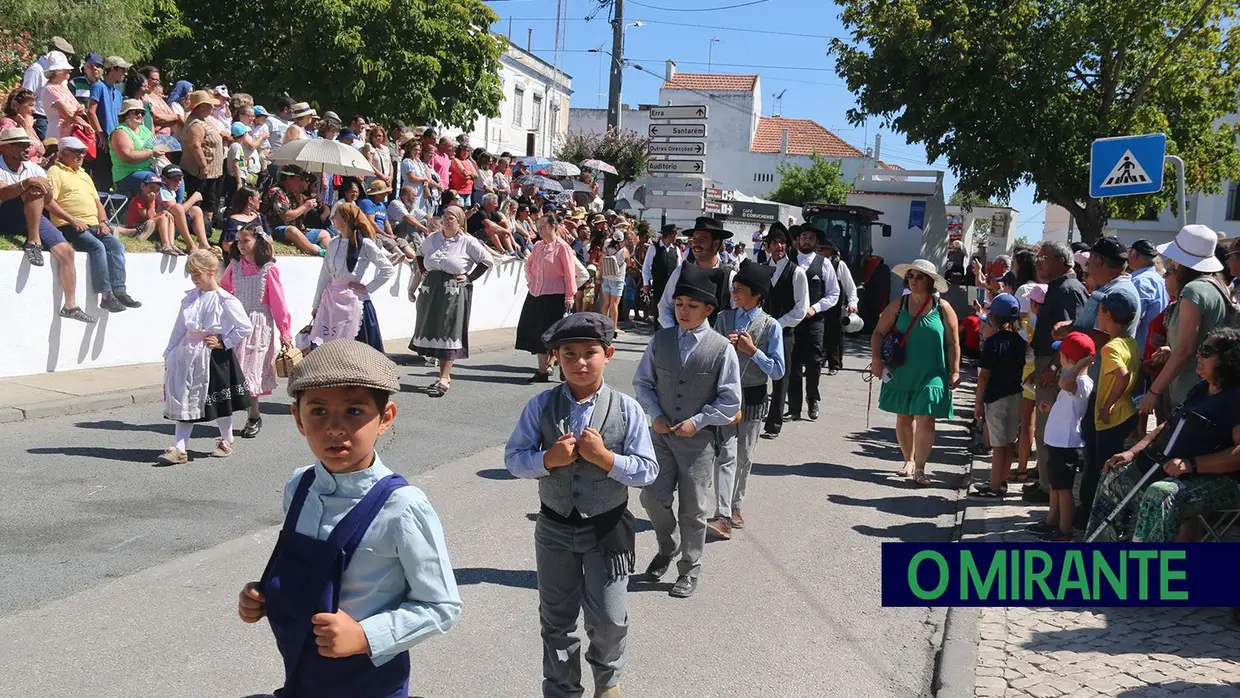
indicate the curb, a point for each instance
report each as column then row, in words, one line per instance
column 99, row 402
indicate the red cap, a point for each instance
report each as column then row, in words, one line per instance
column 1076, row 346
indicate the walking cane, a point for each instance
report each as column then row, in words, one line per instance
column 868, row 377
column 1157, row 467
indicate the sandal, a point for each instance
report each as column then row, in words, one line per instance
column 922, row 479
column 1020, row 476
column 906, row 471
column 985, row 492
column 34, row 254
column 438, row 389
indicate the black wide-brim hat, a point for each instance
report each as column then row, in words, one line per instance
column 696, row 283
column 755, row 276
column 709, row 225
column 778, row 231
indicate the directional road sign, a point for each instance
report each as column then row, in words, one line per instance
column 675, row 167
column 698, row 111
column 1127, row 166
column 676, row 184
column 721, row 194
column 718, row 207
column 678, row 130
column 683, row 203
column 678, row 148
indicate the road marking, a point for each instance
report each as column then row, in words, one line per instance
column 127, row 542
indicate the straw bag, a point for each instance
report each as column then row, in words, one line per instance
column 287, row 360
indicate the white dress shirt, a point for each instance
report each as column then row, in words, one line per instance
column 653, row 249
column 336, row 266
column 846, row 280
column 831, row 284
column 800, row 294
column 667, row 303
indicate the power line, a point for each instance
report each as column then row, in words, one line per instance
column 1033, row 218
column 680, row 62
column 699, row 9
column 688, row 24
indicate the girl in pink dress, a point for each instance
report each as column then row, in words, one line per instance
column 253, row 278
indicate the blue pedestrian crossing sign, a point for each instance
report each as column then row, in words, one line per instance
column 1127, row 165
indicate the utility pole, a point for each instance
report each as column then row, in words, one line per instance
column 613, row 89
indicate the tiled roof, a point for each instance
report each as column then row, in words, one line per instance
column 709, row 81
column 804, row 138
column 889, row 166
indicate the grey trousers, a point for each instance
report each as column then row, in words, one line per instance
column 747, row 433
column 735, row 445
column 1048, row 396
column 687, row 467
column 572, row 577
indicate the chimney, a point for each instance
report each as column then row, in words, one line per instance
column 783, row 148
column 878, row 147
column 529, row 41
column 670, row 73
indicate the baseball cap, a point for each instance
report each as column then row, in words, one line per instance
column 346, row 133
column 1110, row 248
column 172, row 172
column 1145, row 248
column 1005, row 305
column 94, row 58
column 260, row 110
column 239, row 129
column 1037, row 293
column 1076, row 346
column 150, row 178
column 116, row 62
column 1120, row 306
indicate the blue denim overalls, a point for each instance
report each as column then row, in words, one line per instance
column 303, row 577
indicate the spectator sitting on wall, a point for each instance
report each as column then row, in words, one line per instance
column 285, row 206
column 489, row 226
column 146, row 215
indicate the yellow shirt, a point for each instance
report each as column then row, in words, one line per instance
column 1121, row 351
column 76, row 194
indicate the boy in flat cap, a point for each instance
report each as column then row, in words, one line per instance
column 689, row 381
column 759, row 343
column 586, row 444
column 360, row 572
column 706, row 239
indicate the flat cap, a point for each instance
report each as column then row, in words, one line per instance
column 344, row 363
column 580, row 327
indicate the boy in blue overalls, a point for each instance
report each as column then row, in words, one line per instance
column 360, row 573
column 586, row 444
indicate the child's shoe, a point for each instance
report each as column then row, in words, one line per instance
column 173, row 456
column 223, row 449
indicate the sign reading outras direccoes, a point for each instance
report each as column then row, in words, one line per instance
column 697, row 111
column 678, row 148
column 678, row 130
column 675, row 166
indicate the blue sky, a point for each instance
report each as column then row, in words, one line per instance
column 792, row 58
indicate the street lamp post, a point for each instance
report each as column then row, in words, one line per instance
column 710, row 54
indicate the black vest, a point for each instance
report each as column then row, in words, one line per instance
column 817, row 287
column 663, row 263
column 723, row 290
column 781, row 300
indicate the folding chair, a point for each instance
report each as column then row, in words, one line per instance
column 114, row 205
column 1223, row 521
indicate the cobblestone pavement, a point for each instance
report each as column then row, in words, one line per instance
column 1129, row 652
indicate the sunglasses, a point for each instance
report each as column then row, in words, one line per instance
column 915, row 276
column 1205, row 351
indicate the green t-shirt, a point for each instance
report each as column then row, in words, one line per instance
column 1207, row 296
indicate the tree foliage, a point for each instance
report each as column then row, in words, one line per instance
column 968, row 200
column 626, row 150
column 1014, row 92
column 819, row 183
column 109, row 27
column 409, row 59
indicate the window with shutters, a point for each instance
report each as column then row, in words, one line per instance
column 1233, row 202
column 537, row 113
column 518, row 106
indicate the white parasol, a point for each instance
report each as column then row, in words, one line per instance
column 599, row 165
column 317, row 155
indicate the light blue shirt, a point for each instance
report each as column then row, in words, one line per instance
column 399, row 584
column 1152, row 291
column 772, row 361
column 727, row 401
column 634, row 465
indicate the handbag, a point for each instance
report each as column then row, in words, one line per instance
column 580, row 273
column 87, row 138
column 286, row 361
column 893, row 353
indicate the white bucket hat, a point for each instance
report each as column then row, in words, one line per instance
column 56, row 61
column 926, row 267
column 1193, row 247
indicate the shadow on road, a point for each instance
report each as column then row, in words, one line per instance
column 927, row 507
column 828, row 470
column 496, row 474
column 917, row 532
column 117, row 425
column 520, row 579
column 1203, row 633
column 129, row 455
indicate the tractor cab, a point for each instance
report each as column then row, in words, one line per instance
column 852, row 229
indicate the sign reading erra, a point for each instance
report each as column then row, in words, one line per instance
column 678, row 130
column 696, row 111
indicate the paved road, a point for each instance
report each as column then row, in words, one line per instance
column 120, row 579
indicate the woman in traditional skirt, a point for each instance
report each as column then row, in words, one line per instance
column 254, row 279
column 551, row 277
column 203, row 381
column 344, row 310
column 452, row 261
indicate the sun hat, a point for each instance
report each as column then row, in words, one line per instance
column 1193, row 247
column 924, row 266
column 302, row 110
column 56, row 61
column 344, row 364
column 1076, row 346
column 197, row 98
column 132, row 105
column 378, row 187
column 13, row 136
column 71, row 143
column 239, row 129
column 116, row 62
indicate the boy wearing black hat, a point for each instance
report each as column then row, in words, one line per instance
column 662, row 259
column 689, row 382
column 586, row 444
column 788, row 302
column 706, row 242
column 824, row 294
column 360, row 572
column 758, row 340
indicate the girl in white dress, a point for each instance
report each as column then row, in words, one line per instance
column 343, row 309
column 203, row 381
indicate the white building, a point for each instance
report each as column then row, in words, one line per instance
column 534, row 114
column 743, row 148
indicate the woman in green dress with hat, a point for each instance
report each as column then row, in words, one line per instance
column 918, row 390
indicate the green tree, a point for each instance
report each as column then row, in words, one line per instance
column 819, row 183
column 1014, row 92
column 418, row 60
column 109, row 27
column 969, row 201
column 626, row 150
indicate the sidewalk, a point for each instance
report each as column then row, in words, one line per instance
column 95, row 389
column 1045, row 653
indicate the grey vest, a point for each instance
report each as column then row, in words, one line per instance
column 759, row 328
column 685, row 390
column 583, row 485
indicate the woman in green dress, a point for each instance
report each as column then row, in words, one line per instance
column 919, row 390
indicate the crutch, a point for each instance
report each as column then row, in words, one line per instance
column 1157, row 467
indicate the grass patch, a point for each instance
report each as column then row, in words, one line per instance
column 134, row 245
